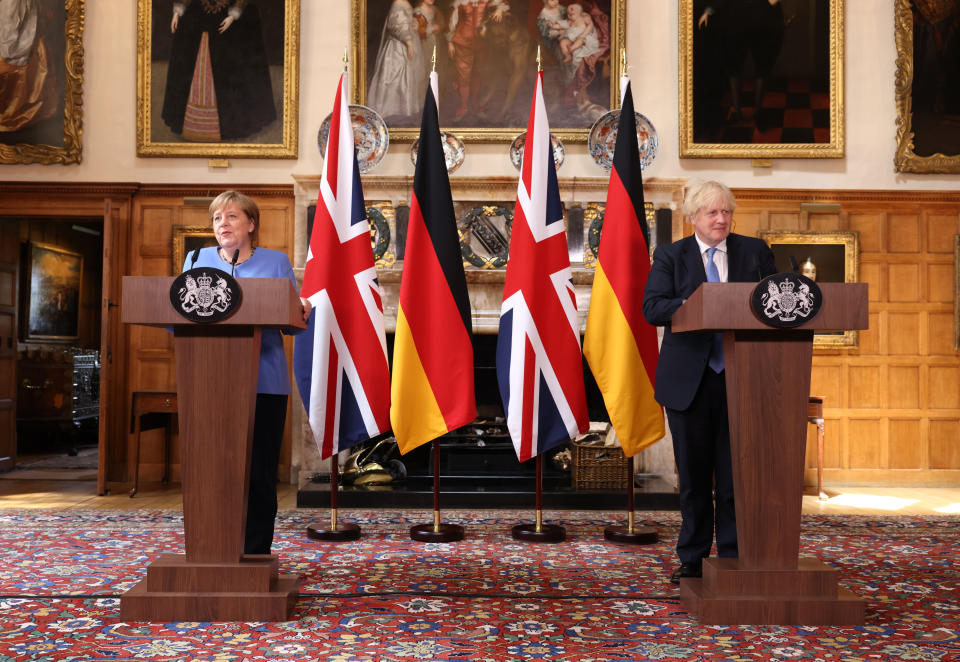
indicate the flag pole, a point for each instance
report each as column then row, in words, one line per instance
column 337, row 532
column 437, row 531
column 630, row 534
column 539, row 532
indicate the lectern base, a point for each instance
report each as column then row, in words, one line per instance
column 807, row 595
column 178, row 590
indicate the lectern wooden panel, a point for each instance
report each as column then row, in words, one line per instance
column 768, row 388
column 217, row 366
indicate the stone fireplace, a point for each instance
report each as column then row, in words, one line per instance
column 483, row 207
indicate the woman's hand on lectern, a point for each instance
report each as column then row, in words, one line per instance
column 307, row 307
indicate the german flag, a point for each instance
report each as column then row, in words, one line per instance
column 432, row 390
column 620, row 346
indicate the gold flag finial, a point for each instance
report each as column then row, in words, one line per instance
column 344, row 59
column 433, row 60
column 539, row 64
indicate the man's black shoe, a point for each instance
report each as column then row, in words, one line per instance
column 686, row 570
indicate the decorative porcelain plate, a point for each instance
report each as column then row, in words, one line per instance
column 453, row 151
column 370, row 135
column 603, row 139
column 516, row 150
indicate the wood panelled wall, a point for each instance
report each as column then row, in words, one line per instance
column 156, row 211
column 892, row 404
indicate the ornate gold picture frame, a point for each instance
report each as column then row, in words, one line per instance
column 45, row 128
column 767, row 85
column 206, row 93
column 187, row 238
column 834, row 257
column 486, row 64
column 927, row 86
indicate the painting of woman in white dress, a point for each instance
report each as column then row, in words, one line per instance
column 398, row 84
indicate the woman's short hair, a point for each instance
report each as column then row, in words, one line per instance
column 703, row 193
column 247, row 206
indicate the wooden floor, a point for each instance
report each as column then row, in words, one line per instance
column 81, row 494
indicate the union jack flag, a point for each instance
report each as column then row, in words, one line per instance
column 340, row 361
column 539, row 364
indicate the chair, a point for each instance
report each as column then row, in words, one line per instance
column 815, row 416
column 150, row 410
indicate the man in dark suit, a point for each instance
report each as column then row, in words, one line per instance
column 690, row 377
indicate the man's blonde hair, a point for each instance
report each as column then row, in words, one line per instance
column 701, row 194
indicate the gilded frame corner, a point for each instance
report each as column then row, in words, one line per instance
column 185, row 239
column 71, row 150
column 287, row 148
column 850, row 242
column 358, row 84
column 689, row 148
column 905, row 158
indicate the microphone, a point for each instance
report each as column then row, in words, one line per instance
column 793, row 264
column 756, row 265
column 194, row 256
column 236, row 256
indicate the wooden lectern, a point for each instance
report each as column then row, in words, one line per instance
column 768, row 387
column 217, row 367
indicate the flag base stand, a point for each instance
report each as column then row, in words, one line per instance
column 337, row 531
column 436, row 532
column 631, row 534
column 432, row 533
column 539, row 532
column 641, row 535
column 343, row 532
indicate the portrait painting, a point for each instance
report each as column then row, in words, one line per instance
column 825, row 257
column 486, row 62
column 218, row 78
column 761, row 78
column 41, row 81
column 53, row 293
column 927, row 35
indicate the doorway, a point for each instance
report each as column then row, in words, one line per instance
column 55, row 362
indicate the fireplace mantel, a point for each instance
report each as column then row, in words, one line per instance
column 485, row 285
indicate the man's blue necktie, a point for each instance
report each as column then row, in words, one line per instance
column 716, row 352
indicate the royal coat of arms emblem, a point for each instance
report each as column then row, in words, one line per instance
column 786, row 300
column 205, row 295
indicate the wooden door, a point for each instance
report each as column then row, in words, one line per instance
column 109, row 321
column 9, row 269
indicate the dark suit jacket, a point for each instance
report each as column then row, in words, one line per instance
column 676, row 272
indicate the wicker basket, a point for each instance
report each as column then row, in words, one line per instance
column 598, row 467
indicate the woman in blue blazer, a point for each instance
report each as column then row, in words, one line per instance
column 236, row 225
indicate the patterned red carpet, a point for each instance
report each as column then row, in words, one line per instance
column 489, row 597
